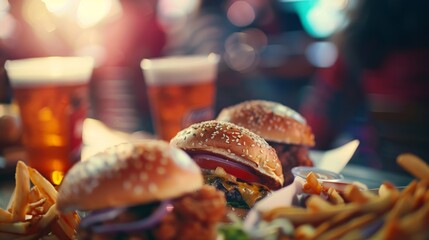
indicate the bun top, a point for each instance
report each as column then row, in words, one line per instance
column 129, row 174
column 235, row 143
column 270, row 120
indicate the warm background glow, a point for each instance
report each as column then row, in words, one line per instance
column 119, row 33
column 31, row 28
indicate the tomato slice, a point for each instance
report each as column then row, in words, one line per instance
column 242, row 172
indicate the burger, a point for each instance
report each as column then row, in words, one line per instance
column 233, row 159
column 282, row 127
column 144, row 190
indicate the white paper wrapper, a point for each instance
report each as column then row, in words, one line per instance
column 97, row 137
column 333, row 160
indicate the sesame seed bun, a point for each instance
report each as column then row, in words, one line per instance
column 237, row 144
column 129, row 174
column 270, row 120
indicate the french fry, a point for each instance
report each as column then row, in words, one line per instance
column 11, row 201
column 353, row 194
column 305, row 217
column 365, row 231
column 334, row 197
column 312, row 185
column 414, row 165
column 5, row 216
column 380, row 205
column 44, row 186
column 415, row 221
column 34, row 194
column 15, row 227
column 63, row 229
column 71, row 219
column 419, row 194
column 410, row 188
column 334, row 221
column 387, row 188
column 31, row 212
column 401, row 208
column 50, row 216
column 276, row 212
column 343, row 229
column 36, row 208
column 22, row 190
column 304, row 232
column 316, row 203
column 357, row 214
column 426, row 197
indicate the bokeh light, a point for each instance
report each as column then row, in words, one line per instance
column 320, row 18
column 241, row 13
column 87, row 17
column 169, row 10
column 322, row 54
column 242, row 49
column 7, row 22
column 4, row 6
column 58, row 6
column 36, row 14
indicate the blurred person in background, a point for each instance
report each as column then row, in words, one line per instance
column 117, row 33
column 261, row 43
column 119, row 90
column 378, row 89
column 202, row 27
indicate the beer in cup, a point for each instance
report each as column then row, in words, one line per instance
column 52, row 96
column 181, row 91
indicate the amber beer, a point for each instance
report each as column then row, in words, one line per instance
column 52, row 96
column 181, row 91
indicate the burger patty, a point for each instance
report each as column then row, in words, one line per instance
column 237, row 193
column 194, row 216
column 290, row 156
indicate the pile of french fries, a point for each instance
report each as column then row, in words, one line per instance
column 31, row 212
column 389, row 213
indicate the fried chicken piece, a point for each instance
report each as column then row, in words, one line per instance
column 194, row 217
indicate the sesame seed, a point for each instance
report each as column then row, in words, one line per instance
column 152, row 187
column 127, row 185
column 143, row 176
column 137, row 163
column 138, row 190
column 160, row 170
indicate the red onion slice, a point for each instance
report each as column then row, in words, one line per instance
column 100, row 216
column 142, row 224
column 238, row 170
